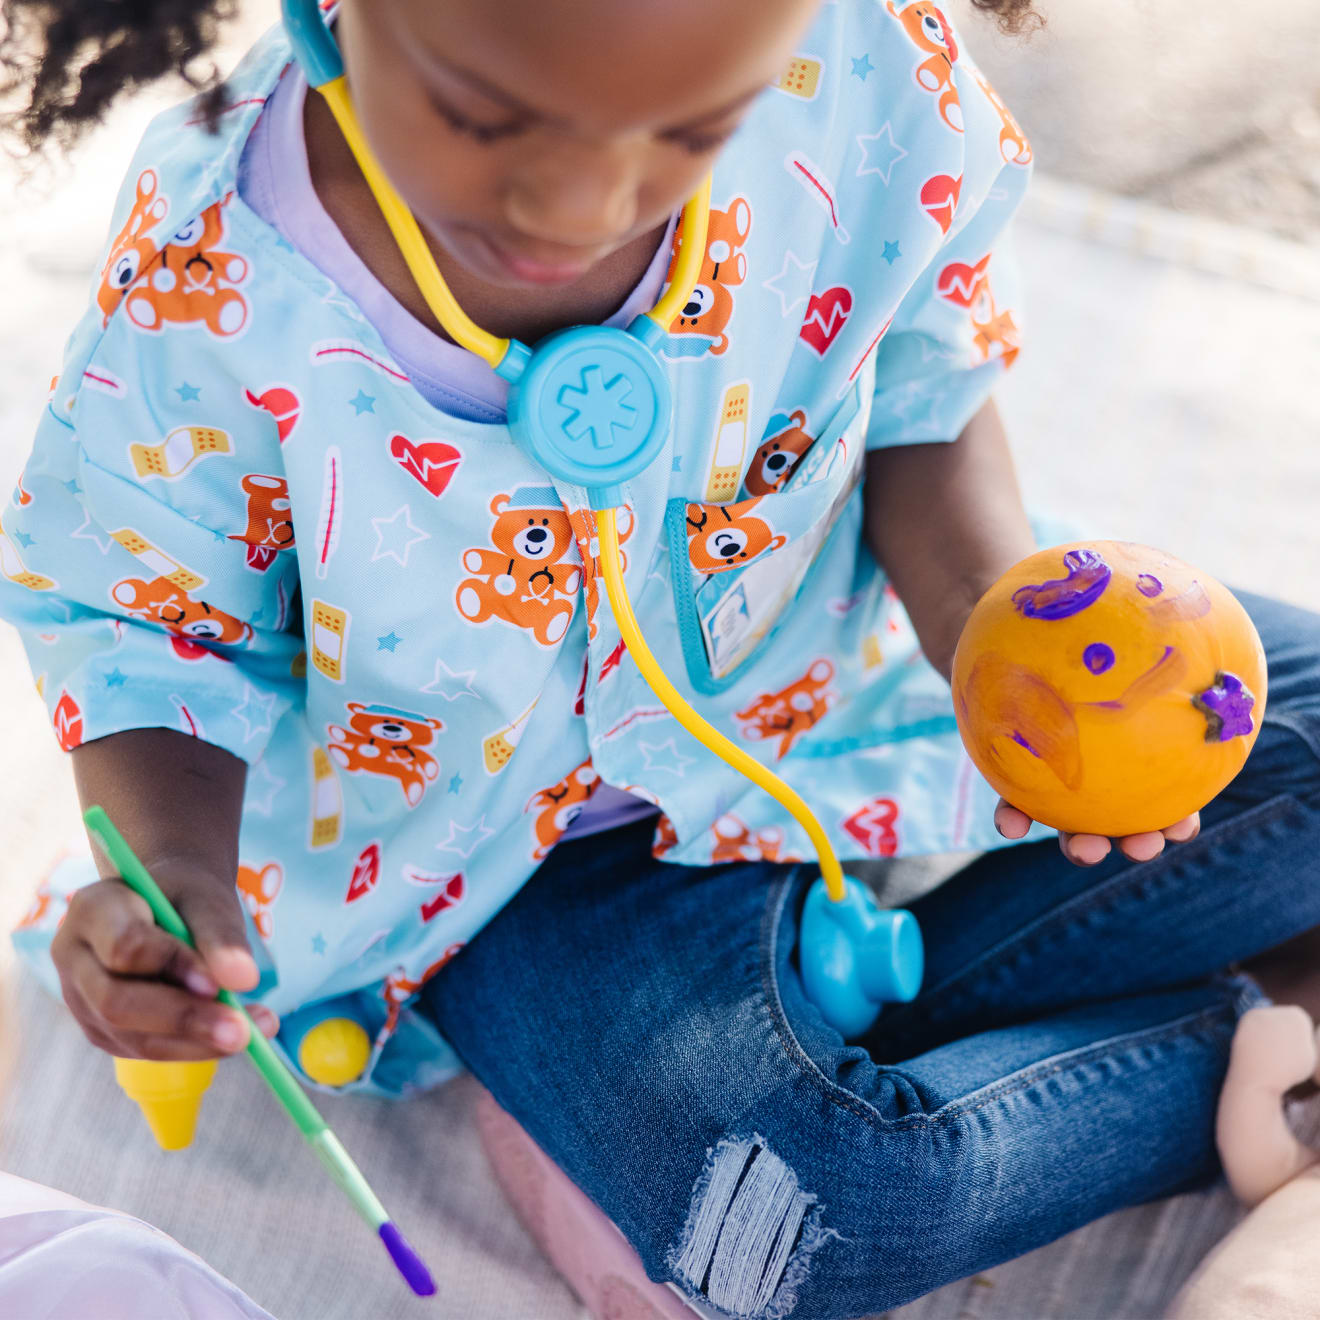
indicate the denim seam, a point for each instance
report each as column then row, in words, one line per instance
column 956, row 1109
column 1130, row 878
column 1070, row 1060
column 1299, row 728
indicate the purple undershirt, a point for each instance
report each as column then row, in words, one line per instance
column 446, row 376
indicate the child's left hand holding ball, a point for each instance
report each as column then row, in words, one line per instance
column 1091, row 849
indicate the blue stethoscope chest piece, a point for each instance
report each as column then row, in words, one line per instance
column 590, row 404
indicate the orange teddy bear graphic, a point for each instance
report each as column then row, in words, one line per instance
column 1013, row 144
column 790, row 712
column 773, row 463
column 724, row 536
column 382, row 740
column 160, row 601
column 189, row 279
column 969, row 286
column 583, row 523
column 258, row 890
column 132, row 251
column 399, row 988
column 270, row 527
column 708, row 309
column 736, row 843
column 523, row 580
column 560, row 806
column 929, row 31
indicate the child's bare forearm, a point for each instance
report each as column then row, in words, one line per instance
column 945, row 521
column 173, row 797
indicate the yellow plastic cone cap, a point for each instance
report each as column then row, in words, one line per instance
column 169, row 1095
column 335, row 1051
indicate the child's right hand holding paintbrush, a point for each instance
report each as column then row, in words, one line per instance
column 136, row 991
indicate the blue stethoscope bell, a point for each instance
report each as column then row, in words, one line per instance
column 590, row 404
column 856, row 956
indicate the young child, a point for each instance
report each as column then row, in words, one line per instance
column 305, row 615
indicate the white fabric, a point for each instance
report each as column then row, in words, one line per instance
column 62, row 1259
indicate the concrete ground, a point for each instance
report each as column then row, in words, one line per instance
column 1164, row 395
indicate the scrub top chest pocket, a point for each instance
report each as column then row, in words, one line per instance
column 748, row 560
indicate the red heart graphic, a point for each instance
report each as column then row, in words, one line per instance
column 68, row 722
column 366, row 871
column 872, row 825
column 939, row 196
column 826, row 315
column 432, row 462
column 449, row 895
column 960, row 283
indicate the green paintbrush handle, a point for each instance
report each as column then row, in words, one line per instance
column 269, row 1064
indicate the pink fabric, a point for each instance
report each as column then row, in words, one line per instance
column 590, row 1253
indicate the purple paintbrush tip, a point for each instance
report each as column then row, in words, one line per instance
column 409, row 1262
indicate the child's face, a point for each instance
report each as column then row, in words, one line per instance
column 532, row 139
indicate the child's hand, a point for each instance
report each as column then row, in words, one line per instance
column 139, row 993
column 1089, row 849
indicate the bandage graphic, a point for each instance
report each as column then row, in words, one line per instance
column 156, row 563
column 801, row 78
column 872, row 654
column 183, row 447
column 730, row 444
column 14, row 569
column 498, row 749
column 327, row 801
column 329, row 638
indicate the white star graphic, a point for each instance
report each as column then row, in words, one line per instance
column 262, row 786
column 676, row 760
column 85, row 533
column 394, row 541
column 255, row 711
column 880, row 161
column 450, row 844
column 440, row 688
column 795, row 282
column 901, row 401
column 931, row 348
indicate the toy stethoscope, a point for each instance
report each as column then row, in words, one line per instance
column 590, row 404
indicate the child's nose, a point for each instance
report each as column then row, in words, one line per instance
column 575, row 203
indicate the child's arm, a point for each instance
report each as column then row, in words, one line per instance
column 135, row 990
column 944, row 521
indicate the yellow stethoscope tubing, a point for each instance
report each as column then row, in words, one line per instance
column 702, row 730
column 466, row 333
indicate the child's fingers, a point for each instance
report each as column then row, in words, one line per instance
column 212, row 913
column 1010, row 822
column 127, row 1006
column 1185, row 830
column 266, row 1021
column 1142, row 847
column 116, row 925
column 1084, row 849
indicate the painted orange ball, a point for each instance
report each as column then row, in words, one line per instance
column 1108, row 688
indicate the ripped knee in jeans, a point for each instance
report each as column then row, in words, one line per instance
column 750, row 1233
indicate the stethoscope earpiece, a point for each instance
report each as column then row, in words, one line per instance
column 855, row 956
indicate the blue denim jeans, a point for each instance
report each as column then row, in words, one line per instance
column 646, row 1025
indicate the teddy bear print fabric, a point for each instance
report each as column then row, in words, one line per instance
column 240, row 520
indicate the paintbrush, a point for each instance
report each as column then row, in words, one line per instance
column 276, row 1074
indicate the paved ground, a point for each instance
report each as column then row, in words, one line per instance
column 1208, row 106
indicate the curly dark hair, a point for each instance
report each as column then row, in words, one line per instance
column 70, row 59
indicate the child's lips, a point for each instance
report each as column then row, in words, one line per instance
column 533, row 270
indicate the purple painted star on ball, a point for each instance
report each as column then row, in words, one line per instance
column 1227, row 708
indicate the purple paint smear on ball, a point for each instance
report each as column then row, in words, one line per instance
column 1098, row 657
column 1227, row 708
column 1149, row 585
column 409, row 1262
column 1061, row 598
